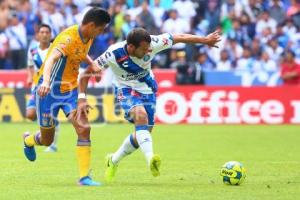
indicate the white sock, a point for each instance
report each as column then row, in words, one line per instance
column 144, row 140
column 54, row 143
column 127, row 147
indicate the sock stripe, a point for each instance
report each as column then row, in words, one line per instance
column 37, row 138
column 83, row 142
column 141, row 127
column 131, row 139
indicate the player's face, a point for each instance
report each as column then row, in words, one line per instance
column 142, row 50
column 44, row 35
column 97, row 30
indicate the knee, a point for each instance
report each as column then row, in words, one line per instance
column 30, row 115
column 141, row 117
column 83, row 131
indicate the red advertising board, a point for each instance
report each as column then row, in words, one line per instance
column 17, row 79
column 229, row 105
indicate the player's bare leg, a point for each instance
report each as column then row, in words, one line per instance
column 83, row 148
column 31, row 114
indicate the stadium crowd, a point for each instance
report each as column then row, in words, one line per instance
column 258, row 34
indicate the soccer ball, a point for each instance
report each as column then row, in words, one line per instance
column 233, row 173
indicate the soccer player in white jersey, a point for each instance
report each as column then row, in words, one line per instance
column 36, row 57
column 136, row 88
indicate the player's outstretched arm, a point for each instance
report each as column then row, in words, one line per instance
column 211, row 39
column 49, row 63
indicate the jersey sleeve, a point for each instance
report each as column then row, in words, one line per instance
column 63, row 44
column 104, row 60
column 161, row 42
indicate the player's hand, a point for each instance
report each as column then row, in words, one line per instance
column 44, row 89
column 29, row 81
column 82, row 109
column 213, row 39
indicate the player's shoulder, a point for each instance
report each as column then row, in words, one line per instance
column 34, row 47
column 116, row 46
column 68, row 35
column 115, row 49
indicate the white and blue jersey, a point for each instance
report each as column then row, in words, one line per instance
column 133, row 77
column 36, row 56
column 35, row 59
column 129, row 70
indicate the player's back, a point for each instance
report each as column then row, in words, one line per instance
column 65, row 71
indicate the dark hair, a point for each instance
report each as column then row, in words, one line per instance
column 97, row 15
column 45, row 26
column 138, row 35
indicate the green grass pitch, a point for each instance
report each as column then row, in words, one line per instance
column 191, row 159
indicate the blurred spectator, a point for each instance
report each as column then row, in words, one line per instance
column 289, row 27
column 146, row 20
column 135, row 10
column 247, row 27
column 128, row 26
column 265, row 21
column 224, row 64
column 185, row 9
column 277, row 11
column 16, row 34
column 30, row 19
column 183, row 75
column 118, row 21
column 265, row 63
column 235, row 50
column 237, row 32
column 74, row 17
column 53, row 18
column 293, row 9
column 274, row 50
column 290, row 70
column 3, row 49
column 158, row 13
column 176, row 25
column 282, row 37
column 201, row 64
column 231, row 6
column 246, row 62
column 253, row 9
column 256, row 48
column 265, row 36
column 4, row 14
column 212, row 14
